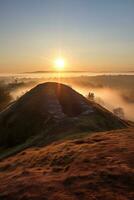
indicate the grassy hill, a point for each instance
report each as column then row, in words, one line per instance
column 93, row 166
column 56, row 144
column 50, row 112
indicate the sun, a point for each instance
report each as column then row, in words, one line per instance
column 59, row 64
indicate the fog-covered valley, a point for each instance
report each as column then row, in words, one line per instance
column 115, row 92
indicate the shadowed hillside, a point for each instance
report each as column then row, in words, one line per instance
column 51, row 108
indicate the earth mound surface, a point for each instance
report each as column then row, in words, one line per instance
column 52, row 107
column 96, row 167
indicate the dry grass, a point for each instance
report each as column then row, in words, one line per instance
column 95, row 167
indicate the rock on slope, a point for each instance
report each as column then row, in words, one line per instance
column 97, row 167
column 50, row 105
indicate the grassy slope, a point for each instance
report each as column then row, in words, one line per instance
column 81, row 127
column 95, row 166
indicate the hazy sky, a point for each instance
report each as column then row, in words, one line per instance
column 91, row 35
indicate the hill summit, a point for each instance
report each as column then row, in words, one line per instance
column 49, row 109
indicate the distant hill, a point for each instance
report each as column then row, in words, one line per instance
column 77, row 71
column 54, row 71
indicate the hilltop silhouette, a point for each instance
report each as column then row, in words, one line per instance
column 49, row 107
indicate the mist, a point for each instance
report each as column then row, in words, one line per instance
column 110, row 91
column 110, row 99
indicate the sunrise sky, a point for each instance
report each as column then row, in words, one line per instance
column 94, row 35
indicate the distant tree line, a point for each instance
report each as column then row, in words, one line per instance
column 5, row 97
column 119, row 112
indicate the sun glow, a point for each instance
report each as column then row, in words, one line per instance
column 59, row 64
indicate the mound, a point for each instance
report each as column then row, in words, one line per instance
column 96, row 167
column 51, row 108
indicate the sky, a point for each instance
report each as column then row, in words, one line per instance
column 91, row 35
